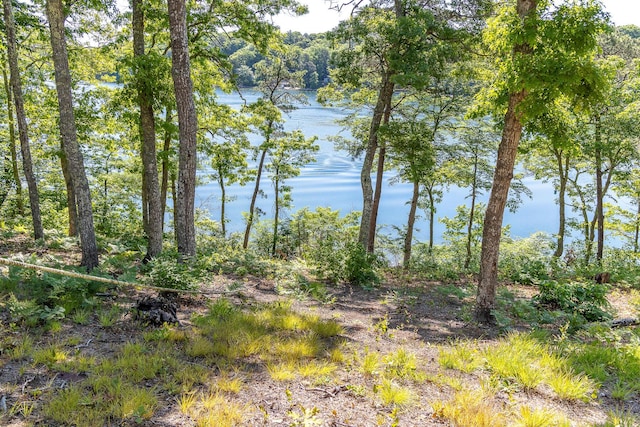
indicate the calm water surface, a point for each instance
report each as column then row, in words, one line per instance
column 333, row 180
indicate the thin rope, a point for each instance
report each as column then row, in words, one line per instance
column 97, row 279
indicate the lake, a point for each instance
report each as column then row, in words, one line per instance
column 333, row 180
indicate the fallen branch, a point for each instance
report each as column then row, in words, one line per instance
column 104, row 279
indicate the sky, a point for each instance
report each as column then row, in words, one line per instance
column 320, row 18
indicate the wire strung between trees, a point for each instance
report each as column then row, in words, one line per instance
column 98, row 279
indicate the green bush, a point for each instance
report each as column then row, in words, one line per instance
column 166, row 271
column 587, row 300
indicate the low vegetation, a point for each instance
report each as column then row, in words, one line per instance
column 273, row 342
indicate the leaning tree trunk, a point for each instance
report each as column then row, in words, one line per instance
column 503, row 174
column 365, row 236
column 147, row 128
column 12, row 144
column 25, row 149
column 408, row 238
column 86, row 230
column 495, row 210
column 254, row 197
column 188, row 127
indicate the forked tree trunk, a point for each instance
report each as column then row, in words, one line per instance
column 184, row 204
column 86, row 230
column 365, row 236
column 152, row 203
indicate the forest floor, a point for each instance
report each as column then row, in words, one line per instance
column 381, row 366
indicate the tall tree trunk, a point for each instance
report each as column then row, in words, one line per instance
column 503, row 174
column 223, row 204
column 495, row 210
column 72, row 206
column 276, row 185
column 254, row 196
column 164, row 186
column 382, row 152
column 188, row 127
column 69, row 135
column 152, row 203
column 636, row 236
column 408, row 238
column 563, row 171
column 432, row 215
column 366, row 223
column 25, row 149
column 599, row 192
column 472, row 211
column 12, row 144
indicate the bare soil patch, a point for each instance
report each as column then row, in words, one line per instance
column 415, row 316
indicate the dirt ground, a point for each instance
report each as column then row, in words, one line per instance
column 415, row 316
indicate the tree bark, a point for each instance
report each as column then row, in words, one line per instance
column 12, row 144
column 408, row 239
column 472, row 211
column 151, row 189
column 254, row 196
column 86, row 230
column 184, row 205
column 599, row 191
column 366, row 222
column 25, row 149
column 72, row 207
column 164, row 186
column 563, row 170
column 503, row 174
column 495, row 210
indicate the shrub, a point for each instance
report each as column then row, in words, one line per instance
column 587, row 300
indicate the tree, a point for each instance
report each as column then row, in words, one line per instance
column 184, row 203
column 291, row 151
column 541, row 55
column 150, row 187
column 68, row 132
column 277, row 97
column 15, row 174
column 399, row 44
column 25, row 148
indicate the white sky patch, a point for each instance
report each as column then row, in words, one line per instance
column 321, row 18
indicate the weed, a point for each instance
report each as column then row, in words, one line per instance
column 370, row 363
column 572, row 387
column 471, row 408
column 81, row 316
column 528, row 417
column 304, row 417
column 400, row 364
column 108, row 318
column 186, row 402
column 462, row 356
column 393, row 394
column 22, row 349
